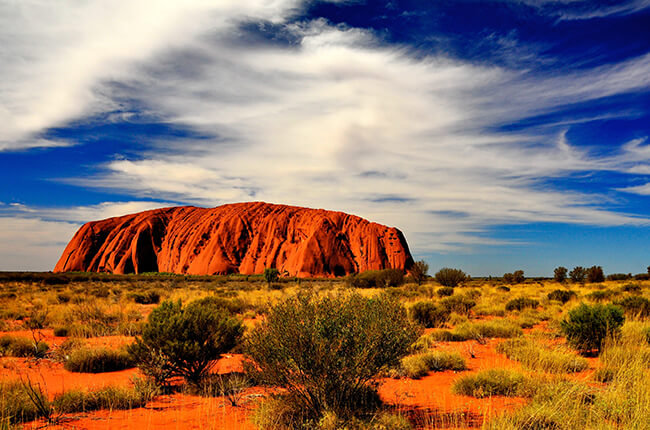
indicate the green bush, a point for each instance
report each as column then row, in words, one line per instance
column 61, row 331
column 429, row 314
column 635, row 306
column 586, row 327
column 184, row 341
column 445, row 291
column 271, row 275
column 377, row 279
column 419, row 272
column 449, row 277
column 516, row 277
column 521, row 303
column 578, row 274
column 459, row 304
column 561, row 295
column 326, row 351
column 493, row 382
column 595, row 274
column 559, row 274
column 18, row 346
column 97, row 360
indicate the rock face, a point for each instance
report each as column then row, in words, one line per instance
column 237, row 238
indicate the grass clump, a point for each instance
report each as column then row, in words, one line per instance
column 635, row 306
column 98, row 360
column 110, row 397
column 18, row 346
column 562, row 296
column 417, row 366
column 493, row 382
column 521, row 303
column 19, row 403
column 429, row 314
column 535, row 357
column 445, row 291
column 458, row 304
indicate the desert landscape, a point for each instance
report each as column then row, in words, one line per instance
column 456, row 352
column 325, row 214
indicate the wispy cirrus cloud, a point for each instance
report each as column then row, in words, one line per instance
column 333, row 119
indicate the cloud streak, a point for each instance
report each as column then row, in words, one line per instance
column 333, row 120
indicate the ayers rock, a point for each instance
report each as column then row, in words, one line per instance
column 236, row 238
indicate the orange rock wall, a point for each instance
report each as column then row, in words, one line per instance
column 237, row 238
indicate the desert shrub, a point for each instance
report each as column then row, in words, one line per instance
column 100, row 292
column 595, row 274
column 19, row 402
column 184, row 341
column 233, row 306
column 636, row 306
column 98, row 360
column 429, row 314
column 377, row 279
column 326, row 351
column 632, row 288
column 445, row 291
column 110, row 397
column 459, row 304
column 516, row 277
column 503, row 288
column 559, row 274
column 586, row 327
column 449, row 277
column 61, row 331
column 271, row 275
column 561, row 295
column 578, row 274
column 420, row 272
column 642, row 276
column 492, row 382
column 18, row 346
column 521, row 303
column 416, row 366
column 146, row 297
column 533, row 356
column 619, row 276
column 601, row 295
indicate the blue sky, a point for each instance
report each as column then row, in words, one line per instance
column 497, row 135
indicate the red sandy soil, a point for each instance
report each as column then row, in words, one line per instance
column 429, row 400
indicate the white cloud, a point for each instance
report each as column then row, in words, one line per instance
column 643, row 190
column 336, row 121
column 31, row 243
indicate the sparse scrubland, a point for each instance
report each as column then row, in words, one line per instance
column 355, row 353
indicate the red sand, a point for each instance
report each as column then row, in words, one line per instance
column 428, row 400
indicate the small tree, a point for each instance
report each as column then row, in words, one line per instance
column 578, row 274
column 420, row 271
column 560, row 274
column 326, row 351
column 586, row 327
column 449, row 277
column 271, row 274
column 595, row 274
column 184, row 341
column 516, row 277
